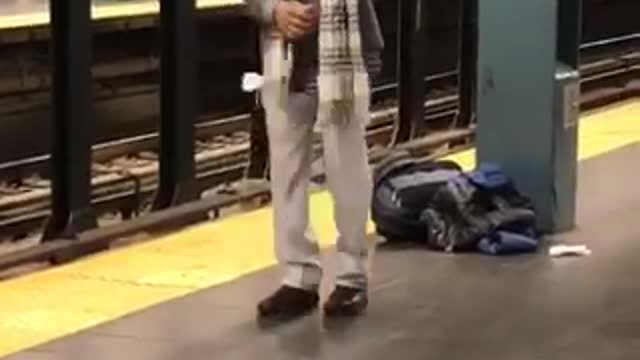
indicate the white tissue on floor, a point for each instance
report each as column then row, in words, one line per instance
column 569, row 250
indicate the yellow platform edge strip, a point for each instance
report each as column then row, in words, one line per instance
column 44, row 306
column 105, row 12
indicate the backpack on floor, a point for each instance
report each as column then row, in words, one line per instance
column 482, row 205
column 402, row 188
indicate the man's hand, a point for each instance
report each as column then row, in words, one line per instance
column 295, row 19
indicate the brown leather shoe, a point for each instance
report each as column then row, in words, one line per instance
column 288, row 302
column 346, row 301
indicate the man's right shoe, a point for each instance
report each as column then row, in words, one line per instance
column 346, row 301
column 288, row 302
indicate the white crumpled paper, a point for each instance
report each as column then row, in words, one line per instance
column 569, row 250
column 252, row 82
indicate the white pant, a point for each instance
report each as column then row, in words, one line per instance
column 290, row 122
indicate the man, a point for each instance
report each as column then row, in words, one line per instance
column 291, row 115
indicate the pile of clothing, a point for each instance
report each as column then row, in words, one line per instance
column 447, row 209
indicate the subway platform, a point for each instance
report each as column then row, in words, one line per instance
column 192, row 295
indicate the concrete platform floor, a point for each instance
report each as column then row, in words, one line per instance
column 426, row 305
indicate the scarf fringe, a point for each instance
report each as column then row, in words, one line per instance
column 343, row 82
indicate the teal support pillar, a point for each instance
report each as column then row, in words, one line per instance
column 528, row 100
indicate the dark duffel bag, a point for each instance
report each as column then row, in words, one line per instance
column 403, row 188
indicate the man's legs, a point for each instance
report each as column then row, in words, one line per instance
column 290, row 150
column 290, row 140
column 349, row 181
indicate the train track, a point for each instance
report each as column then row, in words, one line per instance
column 123, row 185
column 18, row 164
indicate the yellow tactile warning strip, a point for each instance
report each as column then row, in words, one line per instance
column 105, row 12
column 44, row 306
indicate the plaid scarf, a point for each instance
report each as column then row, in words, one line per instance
column 343, row 81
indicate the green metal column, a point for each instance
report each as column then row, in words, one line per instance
column 528, row 100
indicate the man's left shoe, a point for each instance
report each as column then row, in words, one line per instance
column 346, row 301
